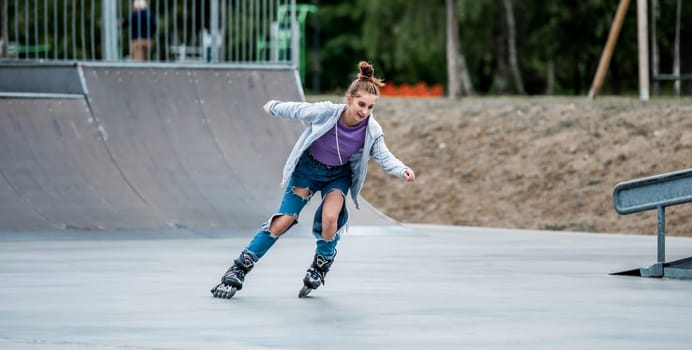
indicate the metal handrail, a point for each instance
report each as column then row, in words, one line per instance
column 654, row 192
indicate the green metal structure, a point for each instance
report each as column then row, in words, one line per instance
column 279, row 43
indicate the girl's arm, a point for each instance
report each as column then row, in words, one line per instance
column 294, row 110
column 389, row 162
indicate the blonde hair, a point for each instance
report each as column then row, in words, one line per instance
column 366, row 80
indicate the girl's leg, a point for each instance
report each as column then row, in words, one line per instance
column 297, row 194
column 293, row 202
column 331, row 209
column 295, row 198
column 329, row 219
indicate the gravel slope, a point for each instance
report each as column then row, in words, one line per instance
column 536, row 163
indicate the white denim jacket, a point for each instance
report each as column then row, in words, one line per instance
column 321, row 117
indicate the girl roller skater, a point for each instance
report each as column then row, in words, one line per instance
column 330, row 157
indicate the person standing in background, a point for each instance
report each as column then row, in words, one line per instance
column 142, row 28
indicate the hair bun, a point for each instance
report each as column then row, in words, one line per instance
column 366, row 70
column 366, row 80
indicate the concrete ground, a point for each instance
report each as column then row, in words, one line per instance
column 392, row 287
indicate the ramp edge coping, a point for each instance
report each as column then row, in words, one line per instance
column 40, row 95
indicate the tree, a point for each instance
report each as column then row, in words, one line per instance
column 458, row 81
column 535, row 45
column 453, row 78
column 676, row 50
column 405, row 38
column 512, row 47
column 655, row 64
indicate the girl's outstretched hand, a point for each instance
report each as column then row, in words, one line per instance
column 409, row 175
column 266, row 106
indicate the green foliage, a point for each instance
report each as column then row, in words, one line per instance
column 406, row 41
column 480, row 23
column 42, row 32
column 340, row 46
column 398, row 47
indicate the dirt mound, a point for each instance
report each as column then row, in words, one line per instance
column 534, row 163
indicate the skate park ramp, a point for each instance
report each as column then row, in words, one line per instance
column 135, row 148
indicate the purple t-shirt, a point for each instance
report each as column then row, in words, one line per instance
column 351, row 139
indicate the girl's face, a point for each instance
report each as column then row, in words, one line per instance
column 360, row 106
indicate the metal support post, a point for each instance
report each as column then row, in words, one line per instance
column 295, row 38
column 110, row 30
column 657, row 269
column 214, row 13
column 661, row 234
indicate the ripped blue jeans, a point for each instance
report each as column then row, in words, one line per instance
column 314, row 176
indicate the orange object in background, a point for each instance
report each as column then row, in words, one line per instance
column 421, row 89
column 436, row 90
column 388, row 90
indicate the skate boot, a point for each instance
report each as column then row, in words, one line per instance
column 315, row 275
column 232, row 280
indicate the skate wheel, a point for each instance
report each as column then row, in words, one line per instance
column 304, row 292
column 223, row 291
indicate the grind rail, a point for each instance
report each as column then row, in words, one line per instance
column 656, row 192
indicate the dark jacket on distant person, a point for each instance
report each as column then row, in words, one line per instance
column 142, row 25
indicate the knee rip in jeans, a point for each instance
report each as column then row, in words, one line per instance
column 304, row 193
column 335, row 235
column 340, row 191
column 267, row 227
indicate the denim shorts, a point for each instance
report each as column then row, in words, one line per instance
column 316, row 177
